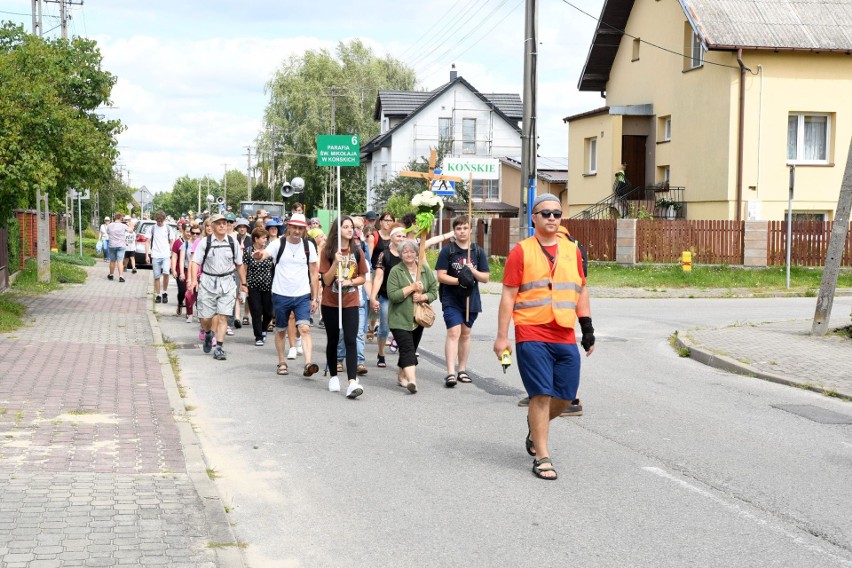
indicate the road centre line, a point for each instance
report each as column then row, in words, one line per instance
column 774, row 527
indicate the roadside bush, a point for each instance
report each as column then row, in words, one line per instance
column 89, row 233
column 72, row 259
column 14, row 233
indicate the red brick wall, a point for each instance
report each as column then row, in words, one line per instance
column 27, row 220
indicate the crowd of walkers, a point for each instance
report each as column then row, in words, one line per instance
column 366, row 281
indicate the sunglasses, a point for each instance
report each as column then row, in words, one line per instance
column 195, row 233
column 555, row 213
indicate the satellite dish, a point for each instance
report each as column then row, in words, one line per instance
column 298, row 184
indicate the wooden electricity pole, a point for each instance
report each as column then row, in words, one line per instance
column 834, row 254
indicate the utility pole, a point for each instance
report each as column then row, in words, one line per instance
column 248, row 172
column 529, row 139
column 37, row 19
column 64, row 16
column 225, row 185
column 834, row 254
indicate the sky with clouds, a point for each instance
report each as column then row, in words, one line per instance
column 191, row 74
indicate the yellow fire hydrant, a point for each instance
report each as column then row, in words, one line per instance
column 686, row 261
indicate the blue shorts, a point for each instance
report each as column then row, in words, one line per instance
column 116, row 254
column 552, row 369
column 283, row 306
column 160, row 266
column 453, row 316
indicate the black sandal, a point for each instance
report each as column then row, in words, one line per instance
column 529, row 442
column 450, row 381
column 464, row 377
column 381, row 362
column 537, row 469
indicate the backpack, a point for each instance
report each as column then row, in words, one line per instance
column 571, row 238
column 307, row 255
column 207, row 250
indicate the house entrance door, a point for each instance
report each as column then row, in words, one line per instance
column 633, row 154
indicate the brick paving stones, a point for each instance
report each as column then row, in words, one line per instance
column 92, row 471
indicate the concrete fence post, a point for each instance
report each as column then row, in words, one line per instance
column 625, row 241
column 756, row 244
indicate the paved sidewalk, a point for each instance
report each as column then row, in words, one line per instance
column 781, row 352
column 97, row 465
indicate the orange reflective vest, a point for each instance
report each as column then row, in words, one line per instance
column 542, row 296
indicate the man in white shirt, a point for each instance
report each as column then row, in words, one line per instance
column 158, row 251
column 295, row 287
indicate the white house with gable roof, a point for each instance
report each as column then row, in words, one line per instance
column 473, row 124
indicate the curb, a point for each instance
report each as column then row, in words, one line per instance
column 730, row 365
column 228, row 553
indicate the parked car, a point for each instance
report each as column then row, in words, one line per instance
column 143, row 234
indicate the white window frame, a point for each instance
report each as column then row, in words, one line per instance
column 442, row 120
column 667, row 129
column 592, row 151
column 696, row 52
column 800, row 137
column 468, row 144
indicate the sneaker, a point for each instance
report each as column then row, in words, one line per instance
column 121, row 278
column 109, row 277
column 165, row 298
column 201, row 335
column 524, row 402
column 219, row 354
column 188, row 319
column 263, row 334
column 158, row 300
column 208, row 341
column 393, row 346
column 334, row 384
column 133, row 271
column 573, row 409
column 292, row 353
column 354, row 390
column 214, row 341
column 229, row 331
column 238, row 323
column 258, row 342
column 299, row 349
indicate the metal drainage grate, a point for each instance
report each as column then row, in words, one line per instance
column 815, row 413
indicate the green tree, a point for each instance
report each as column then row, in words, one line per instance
column 51, row 135
column 299, row 109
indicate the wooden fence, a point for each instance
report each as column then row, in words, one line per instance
column 711, row 242
column 810, row 243
column 596, row 235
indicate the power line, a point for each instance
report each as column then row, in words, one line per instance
column 441, row 56
column 661, row 48
column 458, row 24
column 414, row 47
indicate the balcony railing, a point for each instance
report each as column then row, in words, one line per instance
column 660, row 201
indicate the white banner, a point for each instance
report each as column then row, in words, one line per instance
column 481, row 168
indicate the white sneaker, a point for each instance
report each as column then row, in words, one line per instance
column 354, row 390
column 299, row 349
column 334, row 384
column 229, row 331
column 292, row 353
column 188, row 319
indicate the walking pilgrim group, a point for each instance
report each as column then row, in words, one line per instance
column 364, row 281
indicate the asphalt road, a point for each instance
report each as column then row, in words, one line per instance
column 673, row 463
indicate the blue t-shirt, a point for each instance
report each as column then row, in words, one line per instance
column 452, row 258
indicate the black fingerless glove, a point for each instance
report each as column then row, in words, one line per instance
column 588, row 333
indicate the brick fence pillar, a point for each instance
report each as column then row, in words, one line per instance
column 625, row 241
column 756, row 243
column 514, row 232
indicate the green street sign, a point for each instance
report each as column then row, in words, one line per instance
column 338, row 150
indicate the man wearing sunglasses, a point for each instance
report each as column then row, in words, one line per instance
column 544, row 294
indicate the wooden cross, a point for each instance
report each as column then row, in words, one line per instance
column 429, row 176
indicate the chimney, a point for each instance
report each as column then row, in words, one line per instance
column 453, row 74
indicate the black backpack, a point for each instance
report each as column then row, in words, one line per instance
column 207, row 250
column 307, row 255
